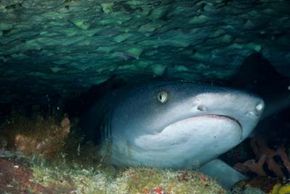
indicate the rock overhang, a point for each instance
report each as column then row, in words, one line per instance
column 59, row 48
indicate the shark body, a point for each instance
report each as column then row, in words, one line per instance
column 178, row 125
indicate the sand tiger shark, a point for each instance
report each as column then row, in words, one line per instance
column 178, row 125
column 183, row 125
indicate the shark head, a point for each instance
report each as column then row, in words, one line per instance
column 179, row 124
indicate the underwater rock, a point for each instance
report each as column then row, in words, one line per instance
column 262, row 185
column 107, row 7
column 159, row 69
column 62, row 175
column 82, row 37
column 153, row 181
column 122, row 37
column 62, row 179
column 15, row 178
column 281, row 189
column 82, row 24
column 40, row 136
column 134, row 52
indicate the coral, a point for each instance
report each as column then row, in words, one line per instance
column 281, row 151
column 36, row 136
column 132, row 180
column 265, row 156
column 74, row 175
column 15, row 178
column 281, row 189
column 154, row 181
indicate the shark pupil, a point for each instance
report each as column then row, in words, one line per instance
column 162, row 96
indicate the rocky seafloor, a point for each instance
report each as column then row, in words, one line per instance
column 35, row 158
column 41, row 154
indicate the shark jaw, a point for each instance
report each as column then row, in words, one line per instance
column 187, row 143
column 183, row 134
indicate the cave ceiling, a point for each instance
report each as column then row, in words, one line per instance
column 65, row 46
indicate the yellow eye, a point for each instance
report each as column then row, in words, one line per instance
column 162, row 97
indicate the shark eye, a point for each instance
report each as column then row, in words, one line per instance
column 162, row 97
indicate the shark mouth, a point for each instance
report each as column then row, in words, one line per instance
column 181, row 133
column 213, row 116
column 222, row 117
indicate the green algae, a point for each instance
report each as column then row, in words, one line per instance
column 122, row 181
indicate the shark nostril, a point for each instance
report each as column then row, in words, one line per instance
column 201, row 108
column 258, row 109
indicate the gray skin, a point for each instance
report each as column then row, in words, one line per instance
column 180, row 125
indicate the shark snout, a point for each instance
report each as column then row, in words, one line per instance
column 235, row 104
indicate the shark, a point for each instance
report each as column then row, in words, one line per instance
column 185, row 125
column 176, row 125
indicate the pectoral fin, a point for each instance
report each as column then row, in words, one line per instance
column 222, row 172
